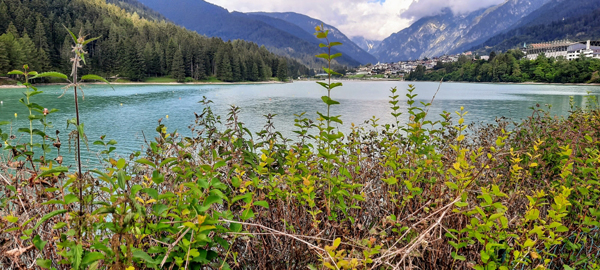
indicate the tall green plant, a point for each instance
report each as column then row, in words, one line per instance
column 76, row 82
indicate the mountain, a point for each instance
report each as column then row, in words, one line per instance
column 134, row 43
column 277, row 35
column 369, row 45
column 557, row 19
column 448, row 32
column 308, row 24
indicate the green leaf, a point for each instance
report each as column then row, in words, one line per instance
column 51, row 74
column 247, row 214
column 48, row 216
column 329, row 101
column 336, row 55
column 121, row 179
column 140, row 254
column 323, row 55
column 47, row 264
column 212, row 199
column 53, row 171
column 92, row 257
column 16, row 72
column 39, row 243
column 335, row 44
column 77, row 253
column 452, row 186
column 262, row 203
column 90, row 40
column 167, row 161
column 71, row 198
column 159, row 208
column 145, row 161
column 92, row 77
column 152, row 192
column 72, row 35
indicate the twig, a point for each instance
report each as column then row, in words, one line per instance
column 285, row 234
column 171, row 247
column 187, row 259
column 18, row 196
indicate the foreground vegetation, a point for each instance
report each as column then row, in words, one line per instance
column 512, row 67
column 421, row 194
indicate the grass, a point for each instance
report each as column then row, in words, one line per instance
column 211, row 79
column 160, row 80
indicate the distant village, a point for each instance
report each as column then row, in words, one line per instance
column 563, row 48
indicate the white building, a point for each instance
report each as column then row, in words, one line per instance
column 565, row 48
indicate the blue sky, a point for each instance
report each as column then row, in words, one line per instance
column 372, row 19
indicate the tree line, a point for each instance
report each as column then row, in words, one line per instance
column 129, row 47
column 512, row 66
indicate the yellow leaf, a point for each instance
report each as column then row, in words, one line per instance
column 201, row 219
column 130, row 268
column 263, row 157
column 139, row 199
column 461, row 121
column 337, row 242
column 456, row 166
column 460, row 138
column 533, row 165
column 151, row 201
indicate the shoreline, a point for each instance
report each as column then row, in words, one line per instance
column 151, row 83
column 515, row 83
column 279, row 82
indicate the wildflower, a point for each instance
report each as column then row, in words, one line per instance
column 45, row 111
column 15, row 115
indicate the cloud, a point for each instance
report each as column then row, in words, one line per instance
column 372, row 19
column 422, row 8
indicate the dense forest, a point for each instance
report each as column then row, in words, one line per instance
column 131, row 46
column 512, row 66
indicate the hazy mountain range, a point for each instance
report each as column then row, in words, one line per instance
column 500, row 27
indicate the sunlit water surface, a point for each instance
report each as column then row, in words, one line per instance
column 129, row 112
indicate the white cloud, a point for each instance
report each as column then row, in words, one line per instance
column 422, row 8
column 372, row 19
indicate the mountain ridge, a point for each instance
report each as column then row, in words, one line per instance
column 448, row 32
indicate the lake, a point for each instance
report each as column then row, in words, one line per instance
column 128, row 110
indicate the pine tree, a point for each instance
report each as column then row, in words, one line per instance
column 4, row 17
column 13, row 30
column 282, row 70
column 29, row 52
column 39, row 36
column 254, row 76
column 4, row 61
column 224, row 72
column 236, row 70
column 178, row 67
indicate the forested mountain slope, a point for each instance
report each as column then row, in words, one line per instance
column 214, row 21
column 308, row 24
column 130, row 46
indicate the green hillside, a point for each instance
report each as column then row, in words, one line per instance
column 130, row 45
